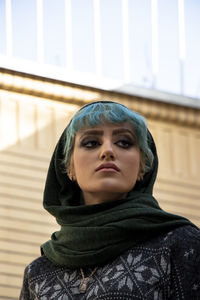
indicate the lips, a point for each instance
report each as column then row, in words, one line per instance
column 108, row 166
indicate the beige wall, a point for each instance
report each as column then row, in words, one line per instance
column 29, row 130
column 30, row 124
column 178, row 184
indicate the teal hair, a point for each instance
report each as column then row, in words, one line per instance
column 99, row 112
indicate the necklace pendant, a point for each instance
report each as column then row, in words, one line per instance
column 83, row 285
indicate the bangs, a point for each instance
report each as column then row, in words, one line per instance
column 98, row 113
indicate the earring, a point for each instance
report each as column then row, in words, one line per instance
column 140, row 177
column 71, row 176
column 71, row 171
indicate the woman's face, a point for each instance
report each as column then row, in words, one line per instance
column 106, row 162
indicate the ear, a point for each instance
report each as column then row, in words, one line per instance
column 140, row 176
column 141, row 171
column 71, row 171
column 71, row 176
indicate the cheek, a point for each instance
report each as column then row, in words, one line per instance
column 81, row 163
column 133, row 164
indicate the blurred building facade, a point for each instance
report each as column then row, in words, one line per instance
column 56, row 56
column 113, row 44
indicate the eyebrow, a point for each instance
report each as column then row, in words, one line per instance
column 100, row 132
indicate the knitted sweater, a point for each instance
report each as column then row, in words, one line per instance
column 166, row 267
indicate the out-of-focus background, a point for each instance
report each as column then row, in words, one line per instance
column 56, row 55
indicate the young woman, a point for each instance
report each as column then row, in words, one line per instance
column 115, row 242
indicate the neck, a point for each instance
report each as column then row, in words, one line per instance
column 102, row 197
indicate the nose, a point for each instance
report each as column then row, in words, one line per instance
column 107, row 152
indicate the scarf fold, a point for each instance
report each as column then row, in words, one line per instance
column 96, row 234
column 103, row 232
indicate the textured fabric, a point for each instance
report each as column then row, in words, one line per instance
column 93, row 235
column 167, row 267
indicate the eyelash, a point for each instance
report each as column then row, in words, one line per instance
column 122, row 143
column 126, row 143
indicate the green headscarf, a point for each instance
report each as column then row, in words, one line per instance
column 93, row 235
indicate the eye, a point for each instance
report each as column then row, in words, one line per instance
column 124, row 143
column 90, row 144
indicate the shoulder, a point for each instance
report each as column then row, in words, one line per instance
column 184, row 245
column 184, row 237
column 39, row 278
column 181, row 243
column 40, row 267
column 181, row 237
column 189, row 232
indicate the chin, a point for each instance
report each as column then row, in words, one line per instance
column 112, row 188
column 107, row 185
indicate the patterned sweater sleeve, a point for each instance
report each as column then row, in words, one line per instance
column 25, row 295
column 185, row 273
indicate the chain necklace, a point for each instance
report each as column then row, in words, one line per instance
column 85, row 280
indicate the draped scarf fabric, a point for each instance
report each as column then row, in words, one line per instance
column 92, row 235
